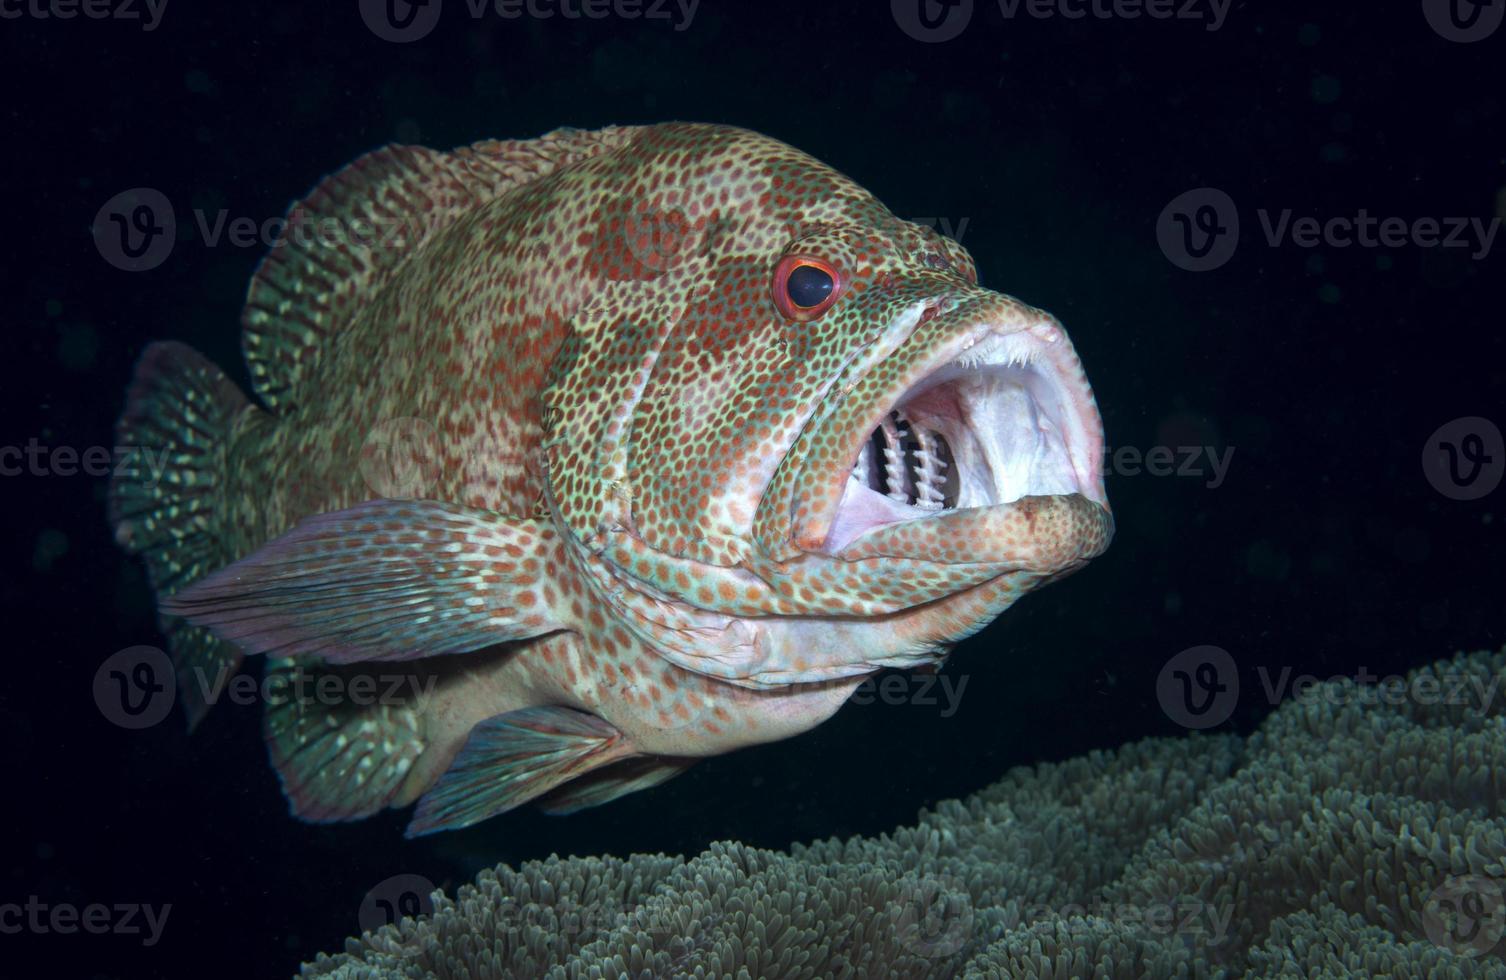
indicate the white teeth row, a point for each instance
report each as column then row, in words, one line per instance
column 922, row 480
column 929, row 477
column 894, row 461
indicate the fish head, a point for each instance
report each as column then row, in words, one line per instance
column 965, row 408
column 827, row 416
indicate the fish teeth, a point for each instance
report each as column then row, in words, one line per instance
column 928, row 475
column 894, row 459
column 914, row 466
column 863, row 471
column 999, row 350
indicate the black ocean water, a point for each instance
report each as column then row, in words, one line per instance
column 1302, row 413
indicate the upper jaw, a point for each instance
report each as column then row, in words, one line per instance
column 1001, row 413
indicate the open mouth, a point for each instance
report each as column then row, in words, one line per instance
column 993, row 426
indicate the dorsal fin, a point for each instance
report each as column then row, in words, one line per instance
column 305, row 289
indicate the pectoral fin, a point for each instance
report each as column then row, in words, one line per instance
column 511, row 758
column 384, row 580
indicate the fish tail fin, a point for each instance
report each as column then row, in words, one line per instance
column 172, row 437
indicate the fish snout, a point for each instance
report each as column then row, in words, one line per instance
column 994, row 432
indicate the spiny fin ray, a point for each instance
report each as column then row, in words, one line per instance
column 179, row 413
column 347, row 238
column 383, row 580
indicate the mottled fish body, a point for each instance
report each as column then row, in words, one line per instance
column 698, row 436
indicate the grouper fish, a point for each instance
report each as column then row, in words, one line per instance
column 697, row 436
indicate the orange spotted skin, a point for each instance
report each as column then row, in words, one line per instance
column 595, row 345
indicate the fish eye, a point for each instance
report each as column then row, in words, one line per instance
column 805, row 287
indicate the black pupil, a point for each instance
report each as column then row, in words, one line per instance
column 808, row 286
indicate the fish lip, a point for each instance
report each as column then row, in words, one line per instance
column 1012, row 402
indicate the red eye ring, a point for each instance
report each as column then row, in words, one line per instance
column 805, row 274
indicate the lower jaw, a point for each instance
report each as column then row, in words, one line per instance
column 1047, row 534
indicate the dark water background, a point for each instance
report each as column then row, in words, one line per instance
column 1049, row 146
